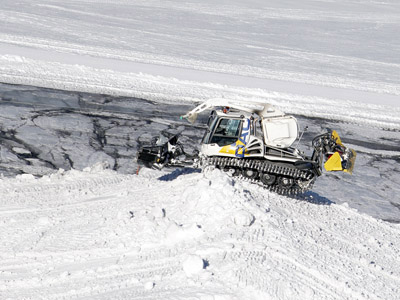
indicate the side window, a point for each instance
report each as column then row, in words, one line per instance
column 211, row 118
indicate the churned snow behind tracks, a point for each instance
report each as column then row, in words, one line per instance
column 98, row 234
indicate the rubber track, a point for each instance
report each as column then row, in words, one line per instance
column 265, row 166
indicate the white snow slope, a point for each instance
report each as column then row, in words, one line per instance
column 313, row 57
column 96, row 234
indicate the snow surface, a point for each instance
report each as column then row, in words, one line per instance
column 319, row 58
column 102, row 235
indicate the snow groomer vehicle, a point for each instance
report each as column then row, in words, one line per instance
column 253, row 141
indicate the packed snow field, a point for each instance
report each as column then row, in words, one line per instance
column 85, row 226
column 290, row 52
column 102, row 235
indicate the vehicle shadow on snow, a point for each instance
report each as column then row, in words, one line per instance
column 309, row 196
column 314, row 198
column 178, row 172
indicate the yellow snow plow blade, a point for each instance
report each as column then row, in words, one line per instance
column 336, row 138
column 334, row 163
column 343, row 159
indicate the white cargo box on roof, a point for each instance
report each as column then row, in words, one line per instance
column 280, row 131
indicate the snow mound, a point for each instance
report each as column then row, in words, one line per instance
column 243, row 218
column 212, row 201
column 193, row 265
column 176, row 233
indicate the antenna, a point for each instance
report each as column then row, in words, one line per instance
column 301, row 136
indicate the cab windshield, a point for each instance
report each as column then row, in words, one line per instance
column 226, row 132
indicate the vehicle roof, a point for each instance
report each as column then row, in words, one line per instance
column 233, row 113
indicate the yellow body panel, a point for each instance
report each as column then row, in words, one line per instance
column 234, row 149
column 228, row 149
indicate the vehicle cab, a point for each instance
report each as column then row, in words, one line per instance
column 232, row 133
